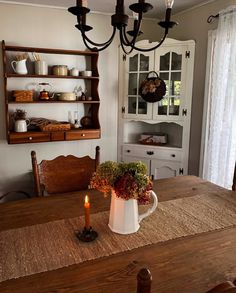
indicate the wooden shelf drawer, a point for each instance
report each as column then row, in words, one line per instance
column 82, row 134
column 57, row 136
column 28, row 137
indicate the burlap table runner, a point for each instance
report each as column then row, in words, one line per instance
column 44, row 247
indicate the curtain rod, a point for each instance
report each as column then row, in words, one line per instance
column 211, row 18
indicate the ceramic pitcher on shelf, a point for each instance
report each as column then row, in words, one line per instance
column 124, row 216
column 19, row 67
column 21, row 125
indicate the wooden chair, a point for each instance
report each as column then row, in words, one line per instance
column 226, row 287
column 14, row 195
column 234, row 179
column 144, row 281
column 63, row 174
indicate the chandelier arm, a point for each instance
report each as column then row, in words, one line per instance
column 94, row 48
column 132, row 42
column 97, row 44
column 153, row 48
column 122, row 43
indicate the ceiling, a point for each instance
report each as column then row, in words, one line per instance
column 108, row 6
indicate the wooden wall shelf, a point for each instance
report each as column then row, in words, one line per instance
column 56, row 102
column 93, row 106
column 9, row 75
column 43, row 136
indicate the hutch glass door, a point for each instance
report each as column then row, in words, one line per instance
column 137, row 67
column 171, row 68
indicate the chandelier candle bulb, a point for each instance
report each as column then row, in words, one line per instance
column 135, row 15
column 87, row 212
column 169, row 3
column 82, row 3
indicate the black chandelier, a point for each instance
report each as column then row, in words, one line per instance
column 119, row 21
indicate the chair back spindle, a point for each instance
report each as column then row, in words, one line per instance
column 144, row 281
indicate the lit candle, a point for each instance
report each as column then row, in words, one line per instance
column 87, row 212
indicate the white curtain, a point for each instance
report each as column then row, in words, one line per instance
column 220, row 100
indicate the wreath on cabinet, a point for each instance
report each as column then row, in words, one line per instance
column 152, row 89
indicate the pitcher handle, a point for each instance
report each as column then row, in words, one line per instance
column 151, row 209
column 13, row 65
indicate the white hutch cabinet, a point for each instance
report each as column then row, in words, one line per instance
column 173, row 62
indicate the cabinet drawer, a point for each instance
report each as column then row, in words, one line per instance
column 152, row 152
column 29, row 137
column 82, row 134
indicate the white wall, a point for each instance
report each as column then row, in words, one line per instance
column 54, row 28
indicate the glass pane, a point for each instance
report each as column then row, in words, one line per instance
column 142, row 76
column 133, row 84
column 165, row 62
column 162, row 106
column 165, row 77
column 133, row 63
column 132, row 105
column 175, row 83
column 144, row 63
column 176, row 61
column 174, row 104
column 142, row 106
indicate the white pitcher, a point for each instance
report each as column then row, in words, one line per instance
column 21, row 125
column 124, row 217
column 19, row 66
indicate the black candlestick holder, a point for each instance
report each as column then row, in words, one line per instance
column 87, row 235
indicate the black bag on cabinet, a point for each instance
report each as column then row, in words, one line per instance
column 152, row 89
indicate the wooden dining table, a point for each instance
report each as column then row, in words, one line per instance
column 194, row 263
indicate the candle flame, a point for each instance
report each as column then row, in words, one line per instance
column 86, row 199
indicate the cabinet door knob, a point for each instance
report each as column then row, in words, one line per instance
column 173, row 155
column 30, row 137
column 128, row 151
column 150, row 153
column 83, row 134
